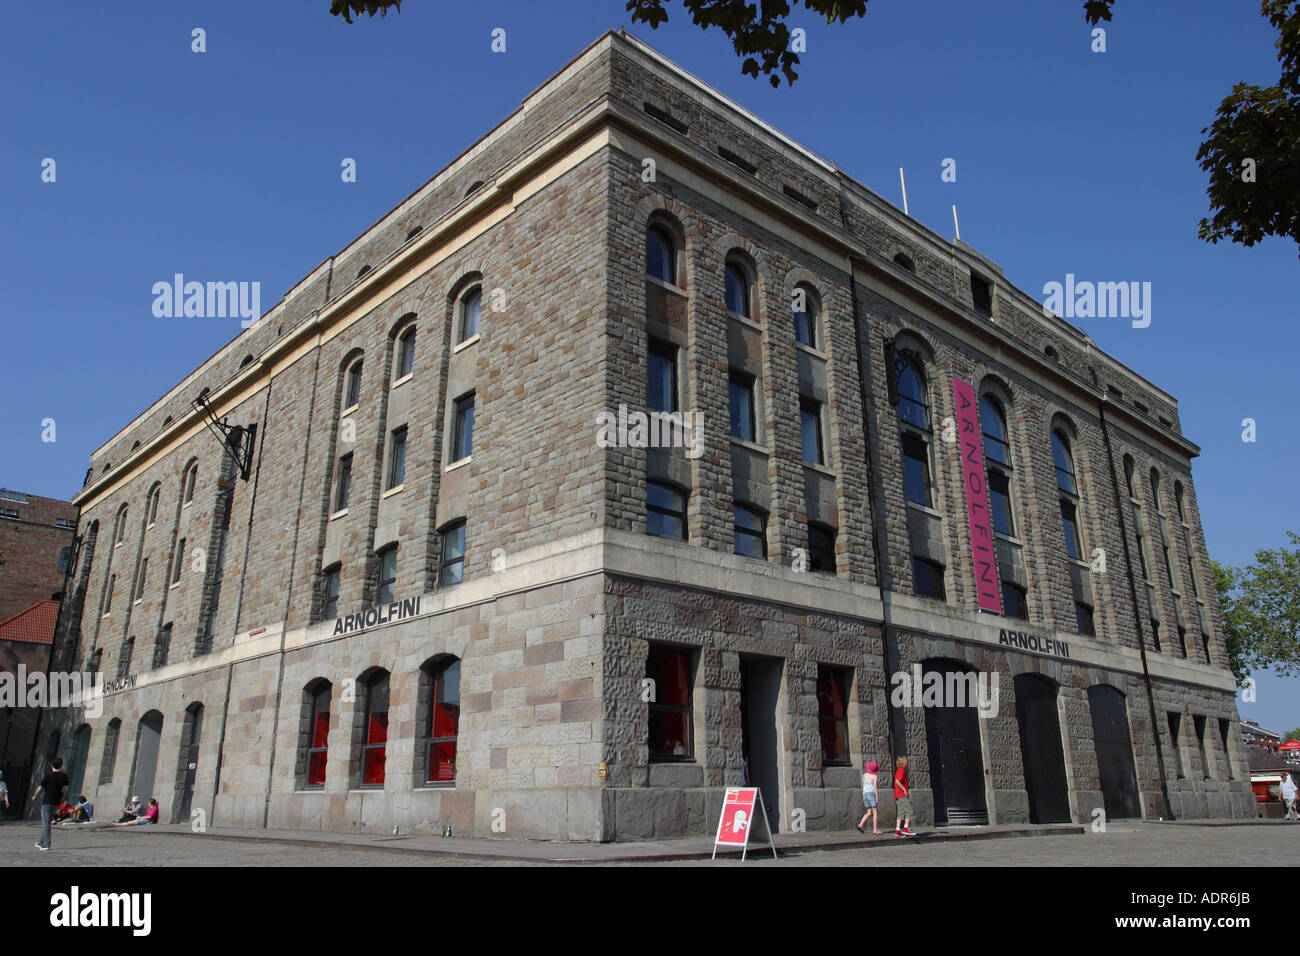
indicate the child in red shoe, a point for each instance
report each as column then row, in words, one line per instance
column 903, row 800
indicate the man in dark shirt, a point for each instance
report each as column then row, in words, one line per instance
column 54, row 786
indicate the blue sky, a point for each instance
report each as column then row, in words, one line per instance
column 225, row 165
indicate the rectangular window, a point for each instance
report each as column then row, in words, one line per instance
column 1000, row 502
column 750, row 534
column 1175, row 723
column 1083, row 619
column 330, row 594
column 670, row 735
column 444, row 718
column 162, row 646
column 929, row 579
column 833, row 713
column 661, row 361
column 451, row 568
column 375, row 746
column 144, row 573
column 916, row 468
column 1015, row 601
column 1225, row 729
column 71, row 523
column 742, row 407
column 318, row 736
column 821, row 548
column 810, row 418
column 397, row 459
column 1070, row 527
column 354, row 387
column 179, row 560
column 981, row 293
column 1198, row 725
column 343, row 486
column 65, row 558
column 124, row 660
column 463, row 443
column 387, row 575
column 665, row 511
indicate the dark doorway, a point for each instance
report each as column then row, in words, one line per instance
column 760, row 687
column 1110, row 735
column 956, row 765
column 147, row 739
column 189, row 768
column 77, row 770
column 1040, row 749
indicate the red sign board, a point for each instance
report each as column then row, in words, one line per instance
column 977, row 502
column 739, row 806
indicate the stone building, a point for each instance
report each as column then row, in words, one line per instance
column 639, row 453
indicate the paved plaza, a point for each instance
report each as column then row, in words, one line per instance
column 1123, row 844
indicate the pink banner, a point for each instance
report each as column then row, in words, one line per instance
column 977, row 499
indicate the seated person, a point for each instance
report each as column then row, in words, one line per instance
column 83, row 811
column 149, row 816
column 62, row 813
column 132, row 811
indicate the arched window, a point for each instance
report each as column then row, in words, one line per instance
column 406, row 353
column 374, row 730
column 806, row 315
column 362, row 271
column 151, row 506
column 737, row 290
column 997, row 460
column 414, row 232
column 904, row 260
column 316, row 733
column 441, row 719
column 1178, row 500
column 352, row 386
column 1064, row 462
column 1128, row 475
column 914, row 427
column 1155, row 490
column 188, row 482
column 660, row 255
column 1068, row 497
column 119, row 535
column 109, row 757
column 246, row 361
column 469, row 312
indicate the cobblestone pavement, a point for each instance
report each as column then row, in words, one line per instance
column 1122, row 845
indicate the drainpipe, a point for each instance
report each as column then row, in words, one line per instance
column 875, row 494
column 1133, row 595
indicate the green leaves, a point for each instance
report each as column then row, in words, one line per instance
column 1249, row 201
column 1260, row 607
column 346, row 8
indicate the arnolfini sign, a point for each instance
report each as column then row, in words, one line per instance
column 977, row 499
column 383, row 614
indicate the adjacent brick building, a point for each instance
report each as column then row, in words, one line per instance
column 457, row 588
column 36, row 541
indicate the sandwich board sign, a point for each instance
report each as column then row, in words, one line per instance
column 740, row 807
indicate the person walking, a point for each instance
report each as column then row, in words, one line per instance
column 870, row 774
column 903, row 799
column 1288, row 797
column 51, row 791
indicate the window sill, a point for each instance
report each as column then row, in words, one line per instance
column 815, row 353
column 823, row 469
column 458, row 463
column 404, row 379
column 138, row 600
column 924, row 508
column 737, row 317
column 187, row 504
column 753, row 446
column 666, row 286
column 174, row 584
column 472, row 340
column 392, row 491
column 341, row 513
column 349, row 410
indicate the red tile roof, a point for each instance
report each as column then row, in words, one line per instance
column 32, row 626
